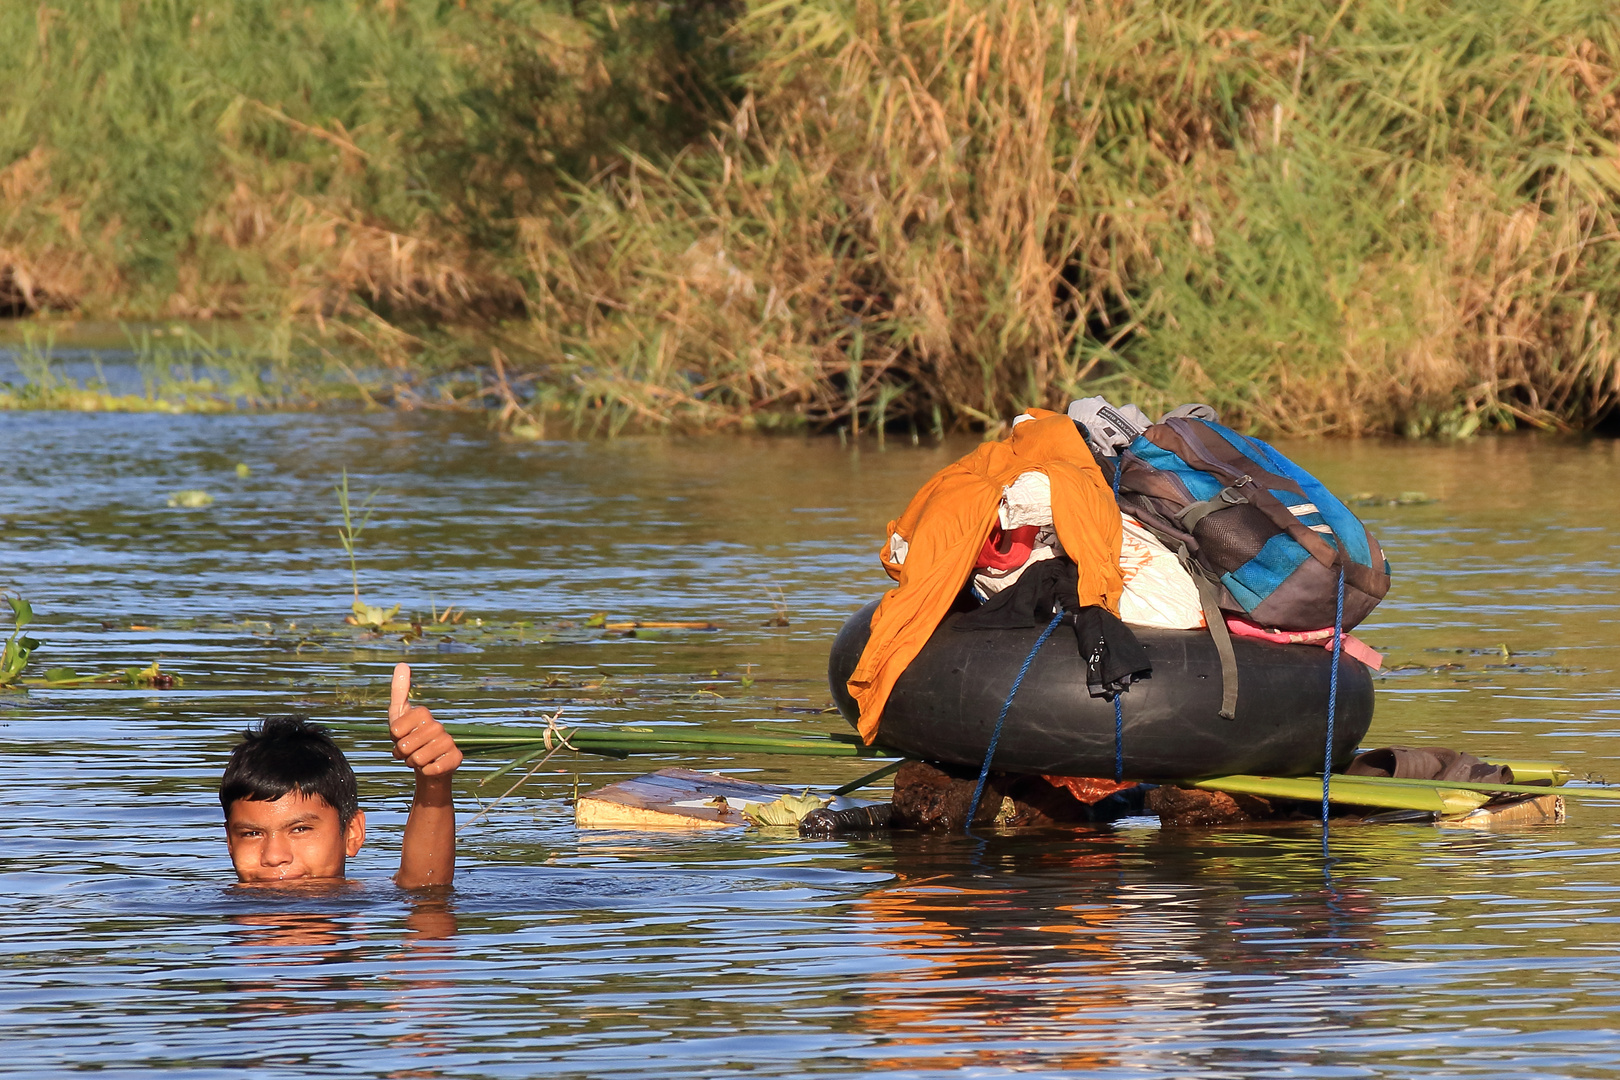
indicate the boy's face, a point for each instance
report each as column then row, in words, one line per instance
column 297, row 837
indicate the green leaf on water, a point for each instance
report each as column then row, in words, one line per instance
column 366, row 615
column 789, row 810
column 21, row 610
column 191, row 499
column 597, row 621
column 60, row 674
column 14, row 657
column 242, row 470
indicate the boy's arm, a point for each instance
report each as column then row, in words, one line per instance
column 428, row 855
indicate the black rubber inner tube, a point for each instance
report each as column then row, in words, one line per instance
column 945, row 704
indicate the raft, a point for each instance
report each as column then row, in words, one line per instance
column 944, row 706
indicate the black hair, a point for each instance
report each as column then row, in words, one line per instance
column 288, row 752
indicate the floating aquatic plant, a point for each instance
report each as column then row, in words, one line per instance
column 787, row 811
column 19, row 647
column 191, row 499
column 152, row 676
column 349, row 535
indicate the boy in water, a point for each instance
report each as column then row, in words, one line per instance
column 292, row 810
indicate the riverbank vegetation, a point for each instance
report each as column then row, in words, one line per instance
column 1343, row 218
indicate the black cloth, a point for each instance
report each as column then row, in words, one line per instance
column 1428, row 763
column 1041, row 591
column 1114, row 658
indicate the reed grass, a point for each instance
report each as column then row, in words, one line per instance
column 1382, row 216
column 520, row 745
column 182, row 369
column 347, row 159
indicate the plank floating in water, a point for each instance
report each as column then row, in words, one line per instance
column 1525, row 810
column 674, row 799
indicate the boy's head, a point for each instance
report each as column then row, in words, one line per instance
column 291, row 804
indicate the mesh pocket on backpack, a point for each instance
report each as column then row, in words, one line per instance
column 1232, row 536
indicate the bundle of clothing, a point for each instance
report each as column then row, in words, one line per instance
column 1030, row 526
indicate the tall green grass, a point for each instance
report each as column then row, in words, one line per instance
column 1369, row 216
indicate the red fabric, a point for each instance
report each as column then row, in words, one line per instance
column 1089, row 789
column 1018, row 544
column 943, row 530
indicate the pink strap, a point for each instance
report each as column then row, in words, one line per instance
column 1241, row 627
column 1362, row 651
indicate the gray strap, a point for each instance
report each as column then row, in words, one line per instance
column 1225, row 499
column 1223, row 645
column 1217, row 629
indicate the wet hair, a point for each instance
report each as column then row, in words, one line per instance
column 288, row 752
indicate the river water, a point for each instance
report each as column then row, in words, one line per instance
column 1124, row 952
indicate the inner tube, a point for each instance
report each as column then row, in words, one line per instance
column 945, row 705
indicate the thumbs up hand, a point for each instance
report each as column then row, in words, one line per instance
column 428, row 854
column 419, row 740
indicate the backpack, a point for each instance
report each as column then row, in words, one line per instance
column 1262, row 537
column 1268, row 532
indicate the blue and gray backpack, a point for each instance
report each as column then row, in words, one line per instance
column 1262, row 537
column 1268, row 532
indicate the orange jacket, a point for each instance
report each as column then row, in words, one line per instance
column 949, row 520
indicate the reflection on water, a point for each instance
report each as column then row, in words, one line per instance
column 1123, row 951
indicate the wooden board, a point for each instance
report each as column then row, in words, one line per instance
column 674, row 799
column 1527, row 810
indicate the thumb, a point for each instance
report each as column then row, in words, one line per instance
column 399, row 695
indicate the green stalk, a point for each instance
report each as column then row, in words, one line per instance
column 828, row 751
column 870, row 778
column 349, row 532
column 1491, row 789
column 699, row 737
column 1526, row 771
column 617, row 743
column 1387, row 792
column 1346, row 790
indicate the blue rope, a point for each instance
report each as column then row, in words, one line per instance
column 995, row 734
column 1333, row 704
column 1119, row 705
column 1119, row 738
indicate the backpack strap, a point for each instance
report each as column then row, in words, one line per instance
column 1226, row 498
column 1183, row 437
column 1216, row 623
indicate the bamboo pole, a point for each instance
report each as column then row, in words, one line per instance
column 1393, row 793
column 618, row 742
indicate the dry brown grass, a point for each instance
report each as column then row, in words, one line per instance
column 44, row 274
column 350, row 161
column 1393, row 216
column 957, row 209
